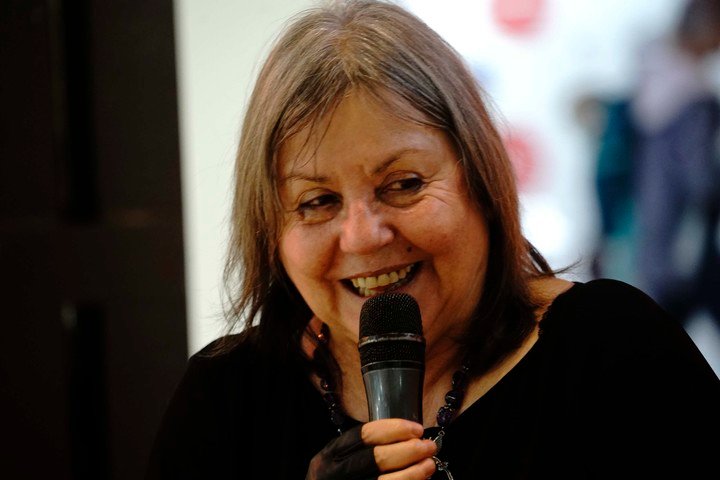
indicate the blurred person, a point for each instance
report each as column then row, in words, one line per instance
column 368, row 163
column 609, row 128
column 676, row 115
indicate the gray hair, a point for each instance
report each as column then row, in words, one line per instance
column 390, row 54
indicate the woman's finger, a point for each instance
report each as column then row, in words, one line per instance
column 390, row 430
column 420, row 471
column 400, row 455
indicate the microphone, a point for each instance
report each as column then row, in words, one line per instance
column 392, row 356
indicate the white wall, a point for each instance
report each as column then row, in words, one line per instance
column 219, row 46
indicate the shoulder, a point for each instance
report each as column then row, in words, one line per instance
column 604, row 305
column 609, row 322
column 237, row 360
column 229, row 388
column 606, row 296
column 545, row 290
column 214, row 381
column 230, row 352
column 226, row 375
column 197, row 426
column 607, row 318
column 611, row 355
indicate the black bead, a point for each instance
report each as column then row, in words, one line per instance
column 458, row 379
column 454, row 398
column 445, row 416
column 330, row 400
column 325, row 384
column 324, row 335
column 317, row 362
column 336, row 417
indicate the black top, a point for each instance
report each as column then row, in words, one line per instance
column 613, row 388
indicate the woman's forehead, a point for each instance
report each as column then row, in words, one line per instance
column 358, row 109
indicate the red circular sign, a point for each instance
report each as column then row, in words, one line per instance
column 518, row 17
column 523, row 157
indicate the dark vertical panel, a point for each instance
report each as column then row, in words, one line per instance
column 135, row 90
column 134, row 109
column 94, row 338
column 27, row 160
column 33, row 355
column 34, row 391
column 87, row 385
column 76, row 74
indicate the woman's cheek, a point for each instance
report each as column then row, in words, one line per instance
column 304, row 250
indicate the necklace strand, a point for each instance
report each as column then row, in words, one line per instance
column 331, row 398
column 453, row 398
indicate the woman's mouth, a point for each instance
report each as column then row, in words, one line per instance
column 369, row 286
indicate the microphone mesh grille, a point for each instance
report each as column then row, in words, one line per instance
column 391, row 313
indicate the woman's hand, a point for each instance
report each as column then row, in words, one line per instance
column 390, row 449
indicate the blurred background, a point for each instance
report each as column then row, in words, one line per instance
column 119, row 126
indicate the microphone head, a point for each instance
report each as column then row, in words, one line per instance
column 390, row 313
column 391, row 330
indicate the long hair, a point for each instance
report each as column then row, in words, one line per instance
column 389, row 53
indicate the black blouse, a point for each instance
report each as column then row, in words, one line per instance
column 613, row 388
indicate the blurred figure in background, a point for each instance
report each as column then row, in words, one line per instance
column 607, row 122
column 676, row 117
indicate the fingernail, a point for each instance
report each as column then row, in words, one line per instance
column 418, row 429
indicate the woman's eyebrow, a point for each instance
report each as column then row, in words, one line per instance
column 394, row 157
column 294, row 176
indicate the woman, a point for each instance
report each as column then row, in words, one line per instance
column 369, row 163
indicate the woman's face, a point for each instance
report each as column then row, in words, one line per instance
column 375, row 203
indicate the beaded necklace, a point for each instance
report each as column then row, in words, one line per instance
column 446, row 413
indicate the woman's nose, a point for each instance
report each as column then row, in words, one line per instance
column 364, row 230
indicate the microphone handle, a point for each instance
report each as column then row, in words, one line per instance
column 394, row 392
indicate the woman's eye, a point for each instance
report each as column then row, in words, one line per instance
column 402, row 192
column 318, row 208
column 318, row 202
column 411, row 184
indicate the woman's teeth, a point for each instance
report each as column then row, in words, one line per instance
column 366, row 285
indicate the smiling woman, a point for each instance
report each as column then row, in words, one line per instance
column 368, row 163
column 358, row 197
